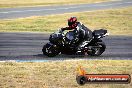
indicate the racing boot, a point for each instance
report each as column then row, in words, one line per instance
column 81, row 47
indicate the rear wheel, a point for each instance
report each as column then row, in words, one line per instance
column 98, row 50
column 50, row 50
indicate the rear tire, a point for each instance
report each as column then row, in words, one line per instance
column 50, row 50
column 98, row 51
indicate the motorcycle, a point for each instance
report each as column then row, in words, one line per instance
column 61, row 43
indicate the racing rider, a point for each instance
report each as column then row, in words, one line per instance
column 82, row 33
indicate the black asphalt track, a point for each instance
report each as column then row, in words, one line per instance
column 27, row 46
column 10, row 13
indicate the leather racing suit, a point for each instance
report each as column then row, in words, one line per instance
column 83, row 33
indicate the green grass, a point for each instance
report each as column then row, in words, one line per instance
column 60, row 74
column 117, row 22
column 23, row 3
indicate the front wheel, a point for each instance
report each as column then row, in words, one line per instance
column 50, row 50
column 98, row 49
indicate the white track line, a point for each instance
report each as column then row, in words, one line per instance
column 61, row 8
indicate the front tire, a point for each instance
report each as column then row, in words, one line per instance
column 98, row 51
column 50, row 50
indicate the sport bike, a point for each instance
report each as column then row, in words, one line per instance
column 60, row 43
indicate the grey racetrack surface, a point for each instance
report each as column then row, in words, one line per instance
column 8, row 13
column 27, row 46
